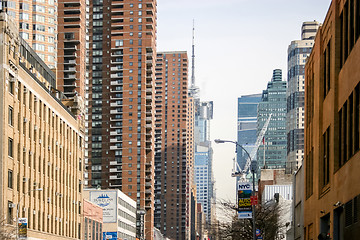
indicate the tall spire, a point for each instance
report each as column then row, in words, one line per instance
column 193, row 90
column 193, row 56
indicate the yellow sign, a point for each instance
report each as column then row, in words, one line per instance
column 244, row 202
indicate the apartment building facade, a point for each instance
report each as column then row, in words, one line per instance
column 37, row 22
column 332, row 103
column 172, row 199
column 120, row 139
column 72, row 30
column 42, row 154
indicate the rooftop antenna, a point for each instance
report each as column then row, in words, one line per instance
column 193, row 56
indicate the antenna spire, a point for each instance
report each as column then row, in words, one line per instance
column 193, row 56
column 193, row 91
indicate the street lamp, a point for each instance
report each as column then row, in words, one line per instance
column 17, row 210
column 253, row 170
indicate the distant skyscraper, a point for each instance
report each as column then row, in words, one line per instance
column 171, row 179
column 247, row 125
column 204, row 179
column 273, row 102
column 298, row 52
column 203, row 157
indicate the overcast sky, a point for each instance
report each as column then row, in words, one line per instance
column 237, row 45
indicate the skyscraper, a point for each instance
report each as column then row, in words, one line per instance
column 246, row 125
column 273, row 101
column 171, row 178
column 203, row 158
column 298, row 51
column 120, row 142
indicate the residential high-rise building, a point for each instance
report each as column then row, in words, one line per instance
column 273, row 102
column 247, row 126
column 172, row 202
column 120, row 142
column 71, row 51
column 298, row 51
column 332, row 130
column 41, row 160
column 37, row 21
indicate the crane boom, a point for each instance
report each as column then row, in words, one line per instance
column 257, row 144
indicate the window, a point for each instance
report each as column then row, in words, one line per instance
column 119, row 43
column 11, row 84
column 325, row 172
column 10, row 179
column 11, row 116
column 11, row 147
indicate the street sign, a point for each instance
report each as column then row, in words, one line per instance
column 244, row 200
column 22, row 225
column 257, row 232
column 254, row 200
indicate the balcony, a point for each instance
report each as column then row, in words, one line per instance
column 70, row 62
column 70, row 70
column 117, row 82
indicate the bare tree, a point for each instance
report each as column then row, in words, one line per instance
column 267, row 220
column 7, row 232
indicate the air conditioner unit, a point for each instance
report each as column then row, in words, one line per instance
column 35, row 99
column 24, row 149
column 25, row 120
column 35, row 127
column 49, row 200
column 24, row 179
column 49, row 147
column 12, row 79
column 40, row 141
column 12, row 205
column 30, row 153
column 25, row 90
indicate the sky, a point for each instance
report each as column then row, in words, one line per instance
column 238, row 43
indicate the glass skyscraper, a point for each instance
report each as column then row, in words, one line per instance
column 203, row 157
column 273, row 101
column 246, row 125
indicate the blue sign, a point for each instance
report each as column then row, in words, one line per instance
column 109, row 235
column 257, row 232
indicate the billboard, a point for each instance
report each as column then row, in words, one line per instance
column 106, row 200
column 244, row 200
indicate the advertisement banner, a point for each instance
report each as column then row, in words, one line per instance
column 244, row 200
column 109, row 235
column 106, row 200
column 22, row 225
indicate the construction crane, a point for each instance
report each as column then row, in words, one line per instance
column 237, row 171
